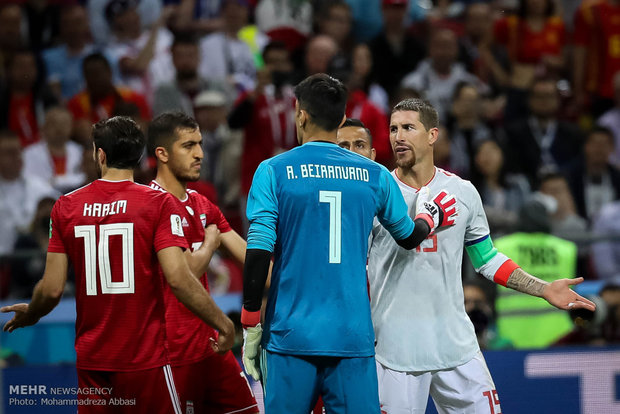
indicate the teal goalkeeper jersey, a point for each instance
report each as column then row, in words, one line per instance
column 313, row 207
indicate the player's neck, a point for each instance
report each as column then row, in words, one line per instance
column 116, row 174
column 171, row 184
column 317, row 134
column 417, row 176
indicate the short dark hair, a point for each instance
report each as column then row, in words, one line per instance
column 122, row 141
column 273, row 45
column 163, row 128
column 184, row 38
column 96, row 57
column 600, row 129
column 427, row 113
column 324, row 98
column 356, row 123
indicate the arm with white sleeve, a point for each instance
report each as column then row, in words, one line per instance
column 499, row 268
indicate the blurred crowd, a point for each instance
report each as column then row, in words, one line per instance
column 528, row 93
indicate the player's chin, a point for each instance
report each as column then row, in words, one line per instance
column 405, row 160
column 191, row 176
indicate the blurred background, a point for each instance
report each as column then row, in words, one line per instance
column 528, row 94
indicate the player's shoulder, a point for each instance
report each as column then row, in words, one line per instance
column 455, row 182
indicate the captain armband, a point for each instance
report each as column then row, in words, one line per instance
column 488, row 261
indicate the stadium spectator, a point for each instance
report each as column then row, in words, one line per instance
column 63, row 63
column 100, row 98
column 178, row 94
column 395, row 52
column 109, row 354
column 611, row 120
column 197, row 16
column 502, row 193
column 534, row 38
column 606, row 252
column 438, row 75
column 149, row 11
column 565, row 222
column 593, row 180
column 481, row 56
column 362, row 77
column 266, row 114
column 221, row 147
column 143, row 56
column 526, row 321
column 466, row 127
column 20, row 192
column 56, row 159
column 25, row 98
column 334, row 20
column 596, row 59
column 174, row 139
column 12, row 37
column 542, row 139
column 224, row 57
column 318, row 55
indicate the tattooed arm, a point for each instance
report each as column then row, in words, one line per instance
column 558, row 293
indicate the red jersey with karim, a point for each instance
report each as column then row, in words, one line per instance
column 111, row 231
column 188, row 335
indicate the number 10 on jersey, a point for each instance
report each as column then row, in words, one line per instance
column 334, row 199
column 94, row 255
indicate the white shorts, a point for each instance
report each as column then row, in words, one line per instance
column 465, row 389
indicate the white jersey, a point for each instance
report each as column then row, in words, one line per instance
column 416, row 295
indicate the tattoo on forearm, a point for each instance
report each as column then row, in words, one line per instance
column 524, row 282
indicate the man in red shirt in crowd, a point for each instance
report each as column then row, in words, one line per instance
column 114, row 232
column 101, row 98
column 206, row 381
column 596, row 53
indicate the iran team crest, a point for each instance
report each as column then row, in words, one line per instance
column 203, row 220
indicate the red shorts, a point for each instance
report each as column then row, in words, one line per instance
column 147, row 391
column 215, row 385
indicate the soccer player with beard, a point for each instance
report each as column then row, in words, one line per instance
column 425, row 341
column 114, row 232
column 206, row 381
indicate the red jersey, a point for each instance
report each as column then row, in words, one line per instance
column 111, row 231
column 597, row 28
column 527, row 46
column 188, row 335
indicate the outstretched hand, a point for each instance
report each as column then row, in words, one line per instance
column 20, row 319
column 559, row 294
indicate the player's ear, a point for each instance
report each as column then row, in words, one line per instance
column 302, row 118
column 373, row 154
column 433, row 134
column 161, row 154
column 100, row 156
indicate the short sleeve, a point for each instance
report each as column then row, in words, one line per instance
column 169, row 229
column 393, row 211
column 477, row 224
column 262, row 209
column 56, row 244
